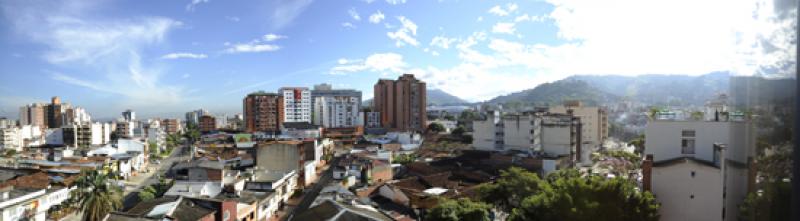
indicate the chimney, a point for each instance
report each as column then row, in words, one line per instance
column 647, row 173
column 752, row 170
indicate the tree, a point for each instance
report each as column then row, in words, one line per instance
column 638, row 144
column 459, row 131
column 435, row 127
column 96, row 196
column 772, row 201
column 508, row 191
column 405, row 159
column 568, row 195
column 458, row 210
column 450, row 117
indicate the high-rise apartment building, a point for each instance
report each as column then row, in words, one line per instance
column 129, row 115
column 193, row 117
column 52, row 115
column 262, row 112
column 401, row 102
column 33, row 114
column 594, row 121
column 207, row 123
column 171, row 126
column 296, row 104
column 335, row 108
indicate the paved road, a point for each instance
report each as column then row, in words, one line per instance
column 309, row 197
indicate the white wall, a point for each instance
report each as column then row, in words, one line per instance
column 484, row 134
column 521, row 133
column 663, row 139
column 673, row 187
column 557, row 140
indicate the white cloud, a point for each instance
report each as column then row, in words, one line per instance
column 376, row 18
column 233, row 18
column 193, row 4
column 183, row 55
column 252, row 47
column 636, row 37
column 107, row 51
column 526, row 17
column 348, row 25
column 405, row 34
column 379, row 62
column 442, row 42
column 256, row 45
column 504, row 28
column 354, row 14
column 273, row 37
column 285, row 11
column 368, row 1
column 395, row 2
column 500, row 11
column 184, row 76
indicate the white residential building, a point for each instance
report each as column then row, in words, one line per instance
column 101, row 133
column 157, row 135
column 296, row 104
column 594, row 121
column 551, row 133
column 31, row 135
column 54, row 136
column 698, row 169
column 10, row 139
column 337, row 108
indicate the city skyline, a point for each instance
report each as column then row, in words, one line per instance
column 169, row 58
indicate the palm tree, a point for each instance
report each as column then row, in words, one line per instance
column 96, row 196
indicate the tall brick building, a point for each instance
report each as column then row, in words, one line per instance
column 262, row 112
column 401, row 103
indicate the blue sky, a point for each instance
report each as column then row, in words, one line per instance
column 163, row 58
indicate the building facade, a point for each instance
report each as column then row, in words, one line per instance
column 32, row 114
column 208, row 123
column 698, row 169
column 171, row 126
column 335, row 108
column 262, row 112
column 402, row 103
column 296, row 104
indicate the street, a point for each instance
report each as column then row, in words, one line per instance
column 309, row 197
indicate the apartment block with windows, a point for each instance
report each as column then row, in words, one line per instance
column 698, row 169
column 336, row 108
column 262, row 112
column 296, row 104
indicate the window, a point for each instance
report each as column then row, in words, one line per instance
column 687, row 141
column 687, row 146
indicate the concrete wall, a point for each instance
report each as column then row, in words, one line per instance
column 279, row 157
column 674, row 187
column 557, row 140
column 663, row 139
column 484, row 134
column 520, row 132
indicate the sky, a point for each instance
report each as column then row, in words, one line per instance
column 164, row 58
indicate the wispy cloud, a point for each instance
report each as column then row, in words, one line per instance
column 395, row 2
column 256, row 45
column 107, row 50
column 405, row 34
column 252, row 47
column 183, row 55
column 193, row 4
column 504, row 28
column 285, row 11
column 348, row 25
column 354, row 14
column 376, row 17
column 273, row 37
column 233, row 18
column 378, row 62
column 503, row 11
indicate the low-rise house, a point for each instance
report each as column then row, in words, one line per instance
column 20, row 203
column 331, row 210
column 180, row 208
column 206, row 189
column 283, row 184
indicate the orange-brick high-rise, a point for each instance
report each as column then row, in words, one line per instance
column 262, row 112
column 401, row 103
